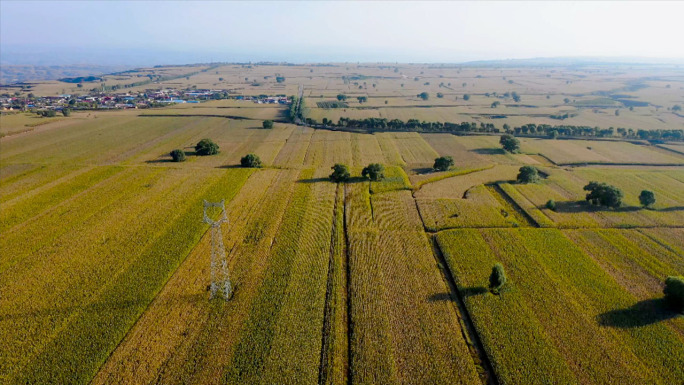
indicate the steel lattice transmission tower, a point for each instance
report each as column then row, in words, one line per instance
column 220, row 281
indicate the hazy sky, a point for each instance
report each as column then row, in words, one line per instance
column 165, row 32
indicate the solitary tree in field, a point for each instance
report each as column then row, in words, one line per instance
column 268, row 124
column 676, row 108
column 443, row 163
column 362, row 99
column 510, row 143
column 551, row 205
column 424, row 95
column 647, row 198
column 466, row 97
column 66, row 112
column 440, row 95
column 497, row 279
column 206, row 147
column 341, row 97
column 340, row 173
column 566, row 100
column 178, row 155
column 528, row 174
column 374, row 172
column 674, row 291
column 495, row 104
column 602, row 194
column 250, row 161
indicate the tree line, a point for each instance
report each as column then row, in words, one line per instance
column 551, row 131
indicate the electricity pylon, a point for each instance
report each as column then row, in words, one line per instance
column 219, row 265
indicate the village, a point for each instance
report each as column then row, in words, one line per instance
column 149, row 98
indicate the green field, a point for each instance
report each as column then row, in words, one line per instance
column 104, row 258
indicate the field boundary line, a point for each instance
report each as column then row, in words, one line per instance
column 348, row 287
column 468, row 331
column 327, row 310
column 508, row 199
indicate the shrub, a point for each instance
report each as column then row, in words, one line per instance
column 251, row 161
column 268, row 124
column 551, row 205
column 340, row 173
column 178, row 155
column 374, row 172
column 603, row 194
column 443, row 163
column 497, row 279
column 647, row 198
column 510, row 143
column 66, row 112
column 206, row 147
column 528, row 174
column 674, row 291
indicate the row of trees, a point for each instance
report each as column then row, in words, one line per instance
column 527, row 129
column 373, row 172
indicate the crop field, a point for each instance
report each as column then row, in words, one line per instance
column 569, row 287
column 105, row 265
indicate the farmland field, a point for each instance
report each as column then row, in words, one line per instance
column 105, row 259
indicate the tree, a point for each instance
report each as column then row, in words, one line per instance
column 566, row 100
column 443, row 163
column 674, row 291
column 250, row 161
column 495, row 104
column 341, row 97
column 647, row 198
column 362, row 99
column 603, row 194
column 466, row 97
column 424, row 95
column 497, row 279
column 267, row 124
column 440, row 95
column 66, row 112
column 206, row 147
column 516, row 97
column 374, row 172
column 509, row 143
column 280, row 79
column 528, row 174
column 178, row 155
column 676, row 107
column 551, row 205
column 340, row 173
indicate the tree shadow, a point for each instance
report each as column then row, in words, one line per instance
column 586, row 207
column 674, row 208
column 153, row 161
column 357, row 179
column 230, row 166
column 314, row 180
column 422, row 170
column 440, row 297
column 489, row 151
column 642, row 313
column 475, row 290
column 465, row 292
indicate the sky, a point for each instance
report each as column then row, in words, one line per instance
column 155, row 32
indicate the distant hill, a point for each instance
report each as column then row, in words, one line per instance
column 23, row 73
column 574, row 61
